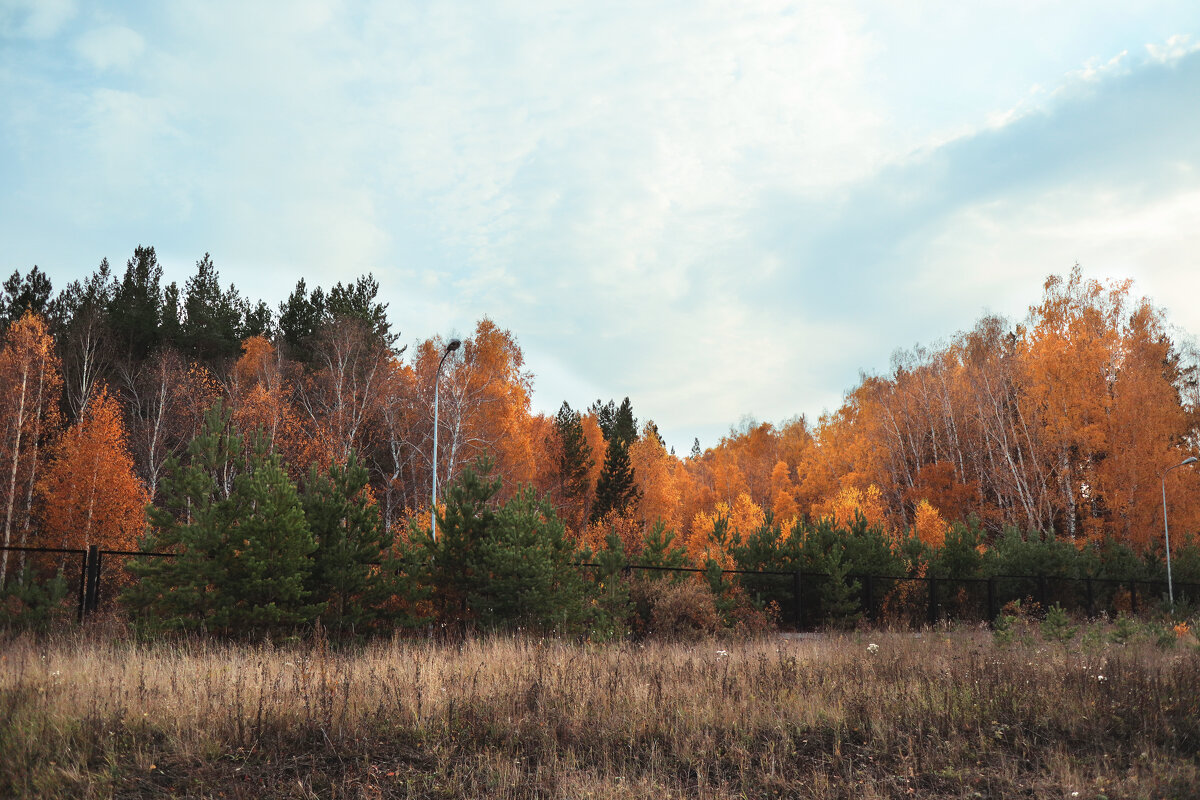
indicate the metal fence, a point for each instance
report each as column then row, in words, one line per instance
column 802, row 598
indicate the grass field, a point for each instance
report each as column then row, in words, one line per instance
column 940, row 714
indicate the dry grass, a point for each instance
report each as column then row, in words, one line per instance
column 942, row 715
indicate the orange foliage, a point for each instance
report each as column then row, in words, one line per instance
column 90, row 493
column 30, row 384
column 743, row 517
column 929, row 525
column 844, row 507
column 654, row 472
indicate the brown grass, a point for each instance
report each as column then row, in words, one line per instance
column 939, row 715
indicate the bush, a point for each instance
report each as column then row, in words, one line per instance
column 25, row 603
column 1057, row 627
column 684, row 610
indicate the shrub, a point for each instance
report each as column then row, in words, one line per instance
column 26, row 603
column 683, row 611
column 1057, row 627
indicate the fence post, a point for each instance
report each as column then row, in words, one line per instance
column 797, row 589
column 1091, row 598
column 93, row 578
column 83, row 571
column 991, row 599
column 933, row 601
column 868, row 597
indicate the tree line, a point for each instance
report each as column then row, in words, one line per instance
column 1058, row 426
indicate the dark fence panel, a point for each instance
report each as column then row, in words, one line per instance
column 92, row 580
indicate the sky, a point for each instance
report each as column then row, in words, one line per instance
column 724, row 211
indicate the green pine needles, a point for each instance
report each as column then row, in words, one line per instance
column 253, row 556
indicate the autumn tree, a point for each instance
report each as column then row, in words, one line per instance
column 658, row 496
column 165, row 398
column 30, row 383
column 260, row 389
column 339, row 398
column 90, row 494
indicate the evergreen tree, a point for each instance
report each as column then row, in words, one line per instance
column 212, row 318
column 236, row 525
column 525, row 572
column 696, row 448
column 357, row 301
column 21, row 294
column 613, row 604
column 659, row 550
column 466, row 520
column 350, row 573
column 257, row 321
column 511, row 565
column 300, row 317
column 83, row 298
column 574, row 456
column 136, row 308
column 615, row 488
column 616, row 422
column 171, row 327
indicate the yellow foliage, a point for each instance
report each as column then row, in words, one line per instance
column 850, row 501
column 929, row 525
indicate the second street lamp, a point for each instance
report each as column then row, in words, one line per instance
column 1167, row 529
column 451, row 346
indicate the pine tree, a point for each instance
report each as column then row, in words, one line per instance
column 524, row 570
column 136, row 309
column 503, row 566
column 574, row 460
column 300, row 318
column 349, row 573
column 241, row 543
column 212, row 318
column 696, row 448
column 21, row 294
column 357, row 301
column 616, row 488
column 466, row 520
column 171, row 327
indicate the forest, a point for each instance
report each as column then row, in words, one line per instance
column 132, row 409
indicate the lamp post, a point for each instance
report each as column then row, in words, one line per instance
column 451, row 346
column 1167, row 529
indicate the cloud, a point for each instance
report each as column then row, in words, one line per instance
column 34, row 19
column 110, row 46
column 715, row 209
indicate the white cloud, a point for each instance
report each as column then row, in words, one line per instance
column 644, row 193
column 1173, row 49
column 110, row 46
column 34, row 19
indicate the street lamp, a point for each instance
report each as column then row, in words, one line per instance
column 1166, row 529
column 451, row 346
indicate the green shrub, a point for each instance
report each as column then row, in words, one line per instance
column 1057, row 627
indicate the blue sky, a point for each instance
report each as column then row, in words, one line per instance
column 717, row 209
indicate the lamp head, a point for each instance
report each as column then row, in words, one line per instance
column 454, row 344
column 1189, row 460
